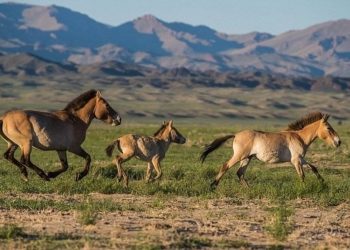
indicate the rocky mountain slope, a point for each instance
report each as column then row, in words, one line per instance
column 63, row 35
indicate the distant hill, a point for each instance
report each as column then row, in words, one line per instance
column 25, row 64
column 28, row 65
column 62, row 35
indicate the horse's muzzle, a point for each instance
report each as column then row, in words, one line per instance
column 337, row 142
column 182, row 141
column 117, row 121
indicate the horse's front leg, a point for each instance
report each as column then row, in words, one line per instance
column 64, row 165
column 314, row 170
column 298, row 164
column 157, row 167
column 81, row 152
column 149, row 171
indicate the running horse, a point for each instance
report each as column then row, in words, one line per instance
column 275, row 147
column 62, row 131
column 151, row 149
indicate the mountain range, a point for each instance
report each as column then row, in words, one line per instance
column 71, row 38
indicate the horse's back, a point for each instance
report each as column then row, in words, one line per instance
column 143, row 147
column 44, row 129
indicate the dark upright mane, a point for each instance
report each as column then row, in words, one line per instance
column 306, row 120
column 81, row 100
column 160, row 130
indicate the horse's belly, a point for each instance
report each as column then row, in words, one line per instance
column 45, row 140
column 274, row 156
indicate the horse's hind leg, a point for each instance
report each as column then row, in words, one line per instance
column 241, row 171
column 120, row 171
column 64, row 165
column 230, row 163
column 9, row 155
column 25, row 159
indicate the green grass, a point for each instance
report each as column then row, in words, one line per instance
column 280, row 227
column 87, row 205
column 11, row 231
column 183, row 175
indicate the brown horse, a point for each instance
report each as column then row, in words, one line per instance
column 63, row 130
column 285, row 146
column 151, row 149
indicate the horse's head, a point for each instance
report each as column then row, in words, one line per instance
column 327, row 133
column 174, row 135
column 103, row 111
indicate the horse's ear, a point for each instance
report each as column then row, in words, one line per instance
column 325, row 117
column 165, row 122
column 98, row 94
column 171, row 123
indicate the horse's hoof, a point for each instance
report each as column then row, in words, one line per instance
column 25, row 178
column 46, row 178
column 213, row 185
column 77, row 177
column 51, row 175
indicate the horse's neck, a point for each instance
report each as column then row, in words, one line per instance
column 86, row 113
column 309, row 133
column 164, row 140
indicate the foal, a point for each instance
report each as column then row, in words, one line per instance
column 151, row 149
column 285, row 146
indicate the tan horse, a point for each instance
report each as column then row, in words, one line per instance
column 285, row 146
column 63, row 130
column 151, row 149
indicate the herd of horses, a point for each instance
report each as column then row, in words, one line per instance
column 65, row 130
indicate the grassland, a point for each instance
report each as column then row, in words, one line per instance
column 180, row 210
column 276, row 193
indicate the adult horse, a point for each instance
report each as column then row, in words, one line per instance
column 284, row 146
column 62, row 131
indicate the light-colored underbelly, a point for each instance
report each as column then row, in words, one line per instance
column 273, row 155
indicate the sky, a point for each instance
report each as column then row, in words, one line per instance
column 228, row 16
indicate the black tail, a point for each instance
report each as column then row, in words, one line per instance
column 1, row 118
column 214, row 145
column 109, row 149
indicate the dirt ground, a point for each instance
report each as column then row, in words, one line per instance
column 182, row 222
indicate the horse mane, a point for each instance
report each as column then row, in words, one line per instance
column 81, row 100
column 304, row 121
column 160, row 130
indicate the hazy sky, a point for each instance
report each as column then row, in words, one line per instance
column 229, row 16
